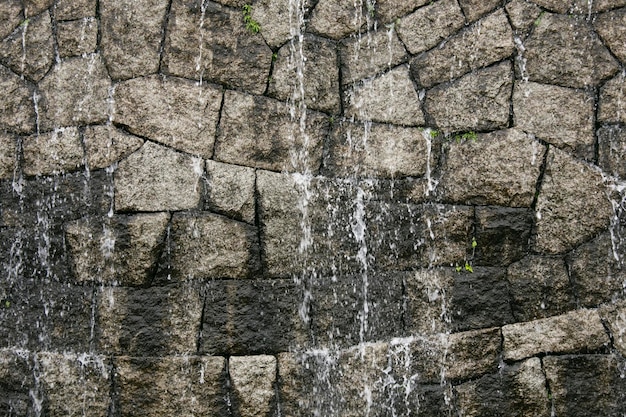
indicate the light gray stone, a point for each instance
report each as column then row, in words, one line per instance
column 561, row 116
column 336, row 20
column 579, row 330
column 75, row 91
column 612, row 103
column 475, row 9
column 477, row 101
column 429, row 300
column 565, row 51
column 77, row 37
column 579, row 6
column 428, row 26
column 212, row 43
column 17, row 112
column 74, row 9
column 156, row 178
column 612, row 150
column 569, row 188
column 390, row 98
column 485, row 42
column 231, row 190
column 105, row 145
column 389, row 10
column 173, row 111
column 10, row 16
column 614, row 315
column 8, row 155
column 499, row 168
column 611, row 27
column 55, row 152
column 35, row 7
column 274, row 16
column 522, row 14
column 258, row 132
column 253, row 379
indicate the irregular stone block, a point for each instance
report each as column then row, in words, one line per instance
column 253, row 379
column 428, row 26
column 428, row 300
column 389, row 10
column 561, row 116
column 29, row 50
column 336, row 20
column 477, row 101
column 274, row 16
column 156, row 178
column 231, row 190
column 53, row 153
column 522, row 14
column 579, row 330
column 295, row 383
column 320, row 76
column 77, row 37
column 498, row 168
column 390, row 98
column 74, row 9
column 34, row 7
column 612, row 150
column 8, row 155
column 480, row 45
column 611, row 27
column 569, row 188
column 17, row 112
column 17, row 382
column 579, row 6
column 614, row 315
column 173, row 111
column 367, row 55
column 611, row 107
column 583, row 385
column 539, row 288
column 565, row 51
column 216, row 40
column 74, row 92
column 258, row 132
column 105, row 145
column 10, row 16
column 501, row 235
column 178, row 385
column 475, row 9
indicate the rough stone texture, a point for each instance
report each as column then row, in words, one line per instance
column 499, row 168
column 561, row 116
column 320, row 76
column 34, row 7
column 74, row 9
column 612, row 107
column 390, row 98
column 8, row 155
column 29, row 51
column 367, row 55
column 579, row 330
column 579, row 6
column 105, row 145
column 17, row 112
column 615, row 318
column 337, row 19
column 173, row 111
column 539, row 288
column 253, row 379
column 258, row 132
column 77, row 37
column 475, row 9
column 569, row 188
column 610, row 26
column 586, row 385
column 389, row 10
column 230, row 190
column 477, row 101
column 130, row 46
column 156, row 178
column 223, row 51
column 16, row 382
column 273, row 17
column 10, row 16
column 428, row 26
column 480, row 45
column 173, row 385
column 76, row 91
column 612, row 150
column 501, row 235
column 522, row 14
column 564, row 51
column 53, row 153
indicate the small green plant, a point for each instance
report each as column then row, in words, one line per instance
column 434, row 133
column 466, row 136
column 370, row 9
column 538, row 19
column 467, row 267
column 251, row 24
column 7, row 304
column 274, row 56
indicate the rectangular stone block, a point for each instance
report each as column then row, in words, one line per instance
column 16, row 382
column 501, row 235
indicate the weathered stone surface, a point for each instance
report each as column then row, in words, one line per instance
column 390, row 98
column 173, row 385
column 614, row 316
column 612, row 103
column 76, row 91
column 8, row 155
column 10, row 16
column 16, row 382
column 123, row 251
column 77, row 37
column 74, row 9
column 367, row 55
column 475, row 9
column 579, row 330
column 29, row 51
column 539, row 288
column 559, row 115
column 34, row 7
column 428, row 26
column 480, row 45
column 611, row 27
column 130, row 45
column 217, row 41
column 258, row 132
column 569, row 188
column 17, row 111
column 156, row 178
column 389, row 10
column 586, row 385
column 337, row 19
column 579, row 6
column 477, row 101
column 105, row 145
column 274, row 16
column 612, row 150
column 565, row 51
column 320, row 76
column 253, row 379
column 522, row 14
column 53, row 153
column 499, row 168
column 501, row 235
column 230, row 190
column 173, row 111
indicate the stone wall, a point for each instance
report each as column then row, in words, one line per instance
column 312, row 208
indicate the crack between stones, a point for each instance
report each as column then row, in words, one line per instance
column 166, row 21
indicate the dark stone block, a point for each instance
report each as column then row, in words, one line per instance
column 16, row 383
column 501, row 235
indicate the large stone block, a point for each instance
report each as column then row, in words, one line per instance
column 389, row 10
column 8, row 155
column 475, row 9
column 611, row 107
column 501, row 234
column 17, row 383
column 74, row 9
column 34, row 7
column 611, row 27
column 338, row 19
column 77, row 37
column 17, row 112
column 230, row 190
column 105, row 145
column 10, row 16
column 612, row 150
column 522, row 14
column 579, row 6
column 253, row 379
column 274, row 17
column 52, row 153
column 614, row 315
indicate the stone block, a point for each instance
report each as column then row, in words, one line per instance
column 611, row 27
column 10, row 16
column 53, row 153
column 274, row 16
column 215, row 39
column 106, row 145
column 17, row 112
column 77, row 37
column 611, row 107
column 253, row 379
column 579, row 330
column 74, row 9
column 337, row 20
column 498, row 168
column 8, row 155
column 612, row 150
column 35, row 7
column 173, row 111
column 230, row 190
column 475, row 9
column 522, row 14
column 569, row 188
column 156, row 178
column 614, row 315
column 476, row 101
column 579, row 6
column 389, row 10
column 17, row 382
column 501, row 234
column 296, row 382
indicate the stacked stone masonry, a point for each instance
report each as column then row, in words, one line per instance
column 256, row 208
